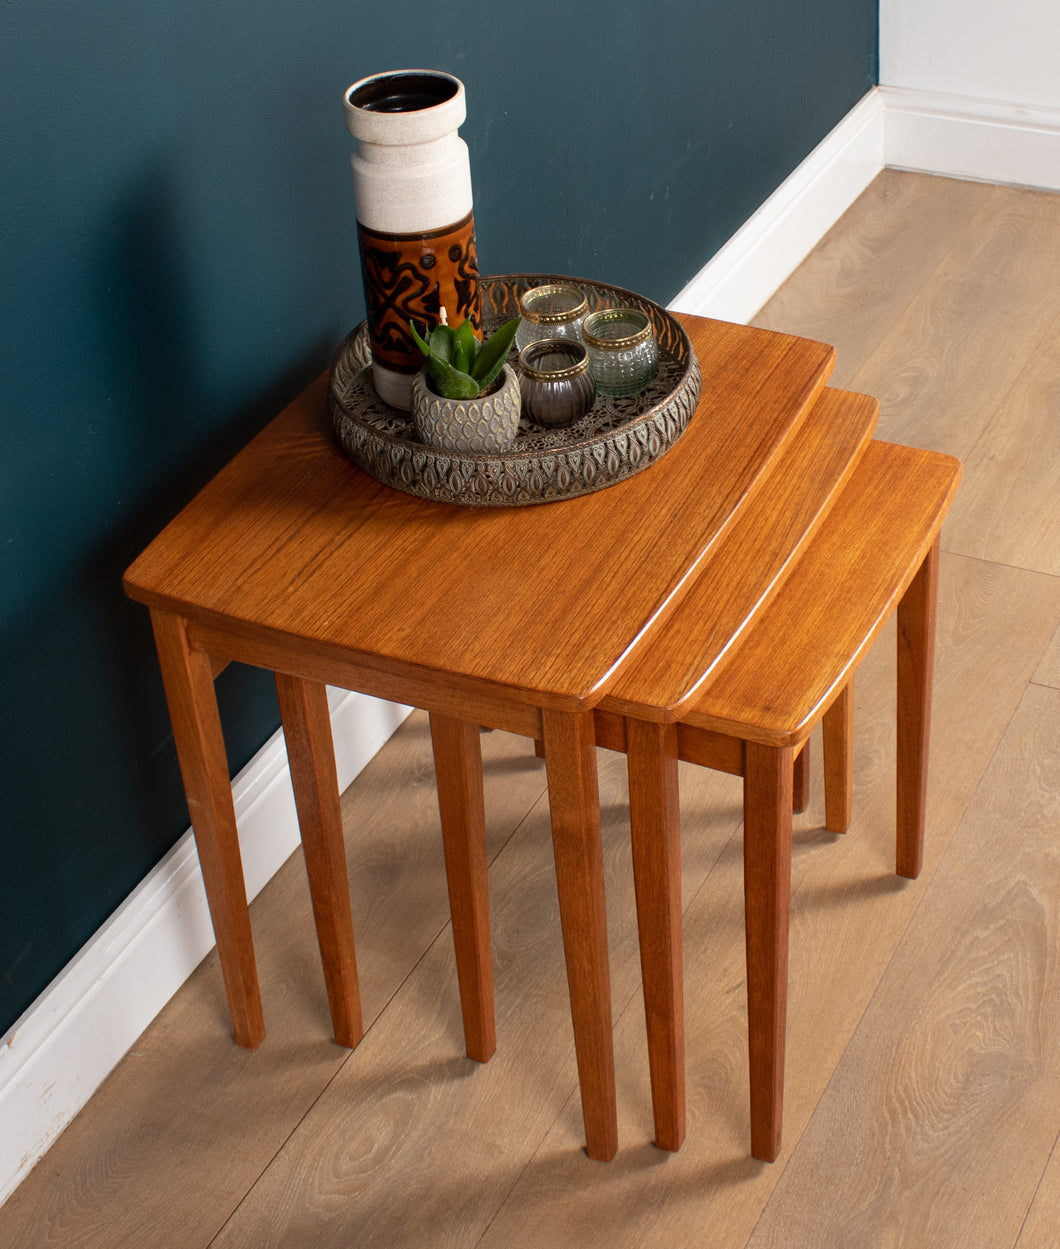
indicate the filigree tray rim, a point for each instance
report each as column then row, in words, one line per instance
column 661, row 423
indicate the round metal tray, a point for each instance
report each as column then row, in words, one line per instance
column 617, row 438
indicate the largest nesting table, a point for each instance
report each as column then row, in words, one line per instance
column 291, row 559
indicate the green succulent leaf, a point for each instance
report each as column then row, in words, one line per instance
column 443, row 341
column 418, row 340
column 460, row 367
column 450, row 382
column 465, row 348
column 493, row 354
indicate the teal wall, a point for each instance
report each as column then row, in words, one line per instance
column 179, row 259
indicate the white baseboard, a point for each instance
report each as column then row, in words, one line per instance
column 63, row 1047
column 740, row 277
column 983, row 140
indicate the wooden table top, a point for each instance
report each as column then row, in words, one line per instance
column 749, row 564
column 291, row 542
column 830, row 610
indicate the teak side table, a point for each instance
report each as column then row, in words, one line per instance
column 293, row 560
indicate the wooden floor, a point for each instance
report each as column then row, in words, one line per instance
column 923, row 1079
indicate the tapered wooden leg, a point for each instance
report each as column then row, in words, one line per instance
column 188, row 680
column 570, row 759
column 767, row 897
column 800, row 790
column 655, row 829
column 916, row 666
column 311, row 757
column 837, row 731
column 458, row 768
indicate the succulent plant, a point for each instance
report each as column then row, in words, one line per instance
column 460, row 367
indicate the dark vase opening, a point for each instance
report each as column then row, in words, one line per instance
column 403, row 93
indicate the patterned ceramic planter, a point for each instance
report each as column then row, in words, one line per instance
column 416, row 229
column 488, row 423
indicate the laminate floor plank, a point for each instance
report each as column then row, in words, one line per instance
column 948, row 1098
column 1008, row 508
column 185, row 1124
column 869, row 267
column 1040, row 1229
column 849, row 912
column 955, row 353
column 1048, row 672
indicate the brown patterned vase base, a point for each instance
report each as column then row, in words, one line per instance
column 411, row 277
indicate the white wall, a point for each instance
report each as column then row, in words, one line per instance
column 1001, row 50
column 972, row 88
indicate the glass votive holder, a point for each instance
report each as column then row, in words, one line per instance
column 553, row 311
column 623, row 354
column 556, row 385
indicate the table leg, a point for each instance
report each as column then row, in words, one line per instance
column 570, row 760
column 314, row 778
column 458, row 770
column 654, row 817
column 916, row 665
column 837, row 730
column 188, row 680
column 767, row 900
column 800, row 789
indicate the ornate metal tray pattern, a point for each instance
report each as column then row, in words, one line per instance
column 617, row 438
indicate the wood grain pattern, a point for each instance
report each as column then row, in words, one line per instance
column 980, row 319
column 511, row 709
column 837, row 733
column 871, row 265
column 806, row 641
column 293, row 540
column 654, row 819
column 311, row 758
column 767, row 907
column 1008, row 509
column 916, row 666
column 458, row 773
column 570, row 758
column 749, row 564
column 1043, row 1218
column 800, row 780
column 1048, row 672
column 188, row 679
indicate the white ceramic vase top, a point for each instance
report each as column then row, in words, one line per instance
column 416, row 230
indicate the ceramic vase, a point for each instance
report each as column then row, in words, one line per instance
column 415, row 226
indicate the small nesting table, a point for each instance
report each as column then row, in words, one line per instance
column 519, row 619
